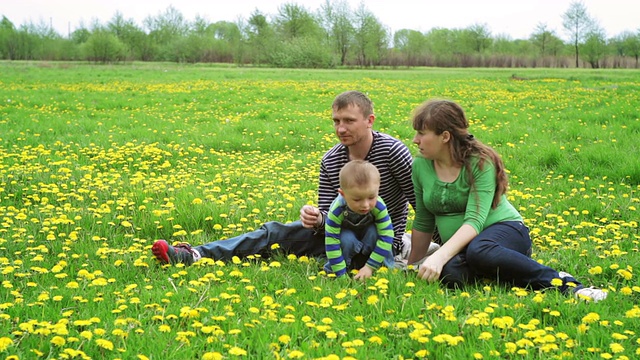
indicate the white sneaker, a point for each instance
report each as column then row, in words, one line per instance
column 591, row 294
column 406, row 249
column 433, row 247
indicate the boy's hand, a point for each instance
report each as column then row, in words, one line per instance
column 364, row 273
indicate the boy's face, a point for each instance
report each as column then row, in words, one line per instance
column 361, row 199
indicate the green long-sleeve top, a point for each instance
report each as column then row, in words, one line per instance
column 333, row 227
column 450, row 205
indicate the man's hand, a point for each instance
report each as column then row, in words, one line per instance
column 364, row 273
column 310, row 216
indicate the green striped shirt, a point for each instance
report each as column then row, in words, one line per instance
column 333, row 228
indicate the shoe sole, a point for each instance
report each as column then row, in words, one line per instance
column 159, row 250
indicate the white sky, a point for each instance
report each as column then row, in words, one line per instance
column 515, row 18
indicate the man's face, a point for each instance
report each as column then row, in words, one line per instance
column 350, row 125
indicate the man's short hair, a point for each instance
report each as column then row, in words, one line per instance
column 356, row 98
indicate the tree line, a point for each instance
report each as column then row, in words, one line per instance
column 335, row 35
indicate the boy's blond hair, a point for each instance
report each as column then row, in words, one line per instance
column 358, row 173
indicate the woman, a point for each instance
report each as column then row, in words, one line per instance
column 460, row 185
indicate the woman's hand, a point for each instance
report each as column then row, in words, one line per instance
column 431, row 268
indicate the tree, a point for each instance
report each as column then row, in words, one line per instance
column 80, row 35
column 8, row 40
column 542, row 38
column 577, row 22
column 103, row 46
column 595, row 46
column 479, row 37
column 295, row 21
column 131, row 36
column 227, row 40
column 301, row 39
column 164, row 29
column 260, row 37
column 411, row 43
column 442, row 42
column 628, row 44
column 371, row 38
column 338, row 25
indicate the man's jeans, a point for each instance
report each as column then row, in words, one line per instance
column 502, row 252
column 356, row 251
column 292, row 238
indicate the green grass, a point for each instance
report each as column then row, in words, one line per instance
column 96, row 162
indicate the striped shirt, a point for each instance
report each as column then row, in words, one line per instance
column 333, row 228
column 393, row 160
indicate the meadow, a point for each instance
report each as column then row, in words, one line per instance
column 97, row 162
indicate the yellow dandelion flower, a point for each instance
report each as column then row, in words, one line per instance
column 237, row 351
column 616, row 348
column 295, row 354
column 626, row 291
column 596, row 270
column 485, row 336
column 164, row 328
column 285, row 339
column 105, row 344
column 422, row 353
column 618, row 336
column 625, row 274
column 582, row 328
column 142, row 357
column 58, row 341
column 327, row 321
column 212, row 356
column 591, row 318
column 478, row 356
column 557, row 282
column 275, row 246
column 372, row 300
column 5, row 342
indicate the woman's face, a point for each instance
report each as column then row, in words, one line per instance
column 430, row 144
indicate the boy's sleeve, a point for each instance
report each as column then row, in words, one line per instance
column 332, row 229
column 385, row 235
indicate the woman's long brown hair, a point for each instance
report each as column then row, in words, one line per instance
column 445, row 115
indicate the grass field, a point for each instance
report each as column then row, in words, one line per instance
column 96, row 162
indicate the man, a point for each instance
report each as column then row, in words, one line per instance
column 353, row 120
